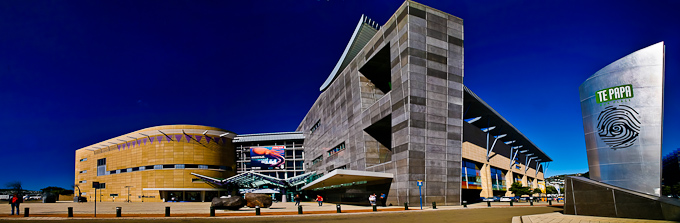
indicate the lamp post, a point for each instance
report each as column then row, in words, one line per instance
column 128, row 187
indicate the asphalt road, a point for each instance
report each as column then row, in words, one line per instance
column 477, row 215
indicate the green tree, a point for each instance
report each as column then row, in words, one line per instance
column 550, row 190
column 538, row 191
column 15, row 186
column 666, row 190
column 518, row 190
column 53, row 190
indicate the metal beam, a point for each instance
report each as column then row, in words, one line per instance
column 488, row 151
column 471, row 120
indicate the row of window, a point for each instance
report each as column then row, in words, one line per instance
column 317, row 160
column 337, row 149
column 162, row 167
column 315, row 126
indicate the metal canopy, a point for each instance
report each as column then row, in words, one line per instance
column 252, row 179
column 269, row 137
column 339, row 176
column 485, row 116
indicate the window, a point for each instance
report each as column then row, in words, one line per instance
column 102, row 185
column 82, row 181
column 83, row 171
column 337, row 149
column 157, row 167
column 497, row 179
column 317, row 160
column 101, row 167
column 111, row 172
column 136, row 168
column 168, row 166
column 83, row 159
column 315, row 126
column 190, row 166
column 117, row 171
column 179, row 166
column 471, row 175
column 129, row 170
column 203, row 167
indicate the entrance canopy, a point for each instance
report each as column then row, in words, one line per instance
column 337, row 178
column 253, row 180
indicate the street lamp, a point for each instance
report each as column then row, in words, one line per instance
column 128, row 187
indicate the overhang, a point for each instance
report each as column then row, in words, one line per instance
column 269, row 137
column 476, row 107
column 185, row 189
column 337, row 177
column 363, row 33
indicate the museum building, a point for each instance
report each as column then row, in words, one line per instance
column 155, row 164
column 394, row 111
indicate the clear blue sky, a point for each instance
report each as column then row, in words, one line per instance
column 74, row 73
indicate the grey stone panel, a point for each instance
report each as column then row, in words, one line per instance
column 588, row 197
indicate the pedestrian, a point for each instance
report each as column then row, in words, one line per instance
column 15, row 201
column 383, row 199
column 371, row 198
column 297, row 199
column 319, row 199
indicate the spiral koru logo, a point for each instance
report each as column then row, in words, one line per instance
column 618, row 126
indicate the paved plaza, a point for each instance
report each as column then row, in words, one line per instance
column 562, row 218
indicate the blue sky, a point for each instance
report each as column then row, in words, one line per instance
column 74, row 73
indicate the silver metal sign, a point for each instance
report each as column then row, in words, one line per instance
column 622, row 107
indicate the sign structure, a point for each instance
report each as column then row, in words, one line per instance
column 267, row 157
column 622, row 108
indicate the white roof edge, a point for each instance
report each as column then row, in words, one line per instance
column 336, row 69
column 187, row 189
column 348, row 172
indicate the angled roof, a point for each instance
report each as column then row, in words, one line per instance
column 269, row 137
column 365, row 30
column 476, row 107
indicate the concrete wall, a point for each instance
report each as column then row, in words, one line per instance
column 424, row 107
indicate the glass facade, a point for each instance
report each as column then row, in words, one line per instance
column 498, row 179
column 471, row 176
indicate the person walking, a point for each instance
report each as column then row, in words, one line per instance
column 371, row 198
column 319, row 199
column 15, row 201
column 297, row 199
column 383, row 199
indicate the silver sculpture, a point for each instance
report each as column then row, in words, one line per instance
column 622, row 107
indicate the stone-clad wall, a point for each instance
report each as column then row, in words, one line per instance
column 424, row 104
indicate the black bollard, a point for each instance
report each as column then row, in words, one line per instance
column 375, row 208
column 405, row 206
column 488, row 203
column 167, row 211
column 434, row 205
column 299, row 209
column 70, row 212
column 337, row 207
column 118, row 211
column 465, row 204
column 257, row 210
column 25, row 212
column 531, row 202
column 550, row 202
column 510, row 202
column 212, row 211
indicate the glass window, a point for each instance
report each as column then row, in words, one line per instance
column 158, row 167
column 337, row 149
column 83, row 159
column 179, row 166
column 101, row 162
column 168, row 166
column 135, row 169
column 83, row 171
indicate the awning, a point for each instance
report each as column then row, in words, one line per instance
column 338, row 177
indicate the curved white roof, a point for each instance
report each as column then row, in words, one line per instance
column 363, row 33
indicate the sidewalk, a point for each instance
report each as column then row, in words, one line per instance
column 155, row 210
column 562, row 218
